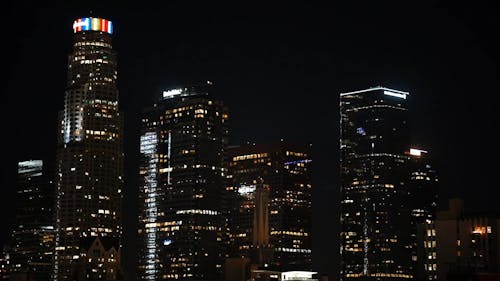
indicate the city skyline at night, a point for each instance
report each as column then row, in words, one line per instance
column 279, row 70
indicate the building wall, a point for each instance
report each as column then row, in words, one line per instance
column 467, row 242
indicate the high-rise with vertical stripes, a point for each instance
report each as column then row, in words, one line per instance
column 89, row 162
column 182, row 171
column 375, row 238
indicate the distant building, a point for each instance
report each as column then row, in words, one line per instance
column 31, row 247
column 183, row 141
column 422, row 203
column 375, row 238
column 467, row 243
column 280, row 231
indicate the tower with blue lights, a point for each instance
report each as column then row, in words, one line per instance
column 375, row 238
column 89, row 162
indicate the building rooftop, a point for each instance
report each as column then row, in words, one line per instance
column 387, row 91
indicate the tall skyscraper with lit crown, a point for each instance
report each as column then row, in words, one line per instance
column 375, row 233
column 89, row 164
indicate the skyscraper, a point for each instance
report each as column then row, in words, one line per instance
column 182, row 147
column 374, row 139
column 32, row 242
column 282, row 172
column 90, row 160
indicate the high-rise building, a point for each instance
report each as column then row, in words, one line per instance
column 422, row 203
column 374, row 138
column 182, row 171
column 89, row 163
column 279, row 174
column 32, row 242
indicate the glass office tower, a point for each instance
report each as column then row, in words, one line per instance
column 375, row 232
column 182, row 147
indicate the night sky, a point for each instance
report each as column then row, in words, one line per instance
column 280, row 69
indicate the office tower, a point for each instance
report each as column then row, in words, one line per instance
column 182, row 171
column 467, row 243
column 422, row 202
column 374, row 136
column 32, row 240
column 89, row 161
column 282, row 170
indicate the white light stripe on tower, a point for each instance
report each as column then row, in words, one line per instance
column 172, row 93
column 169, row 156
column 374, row 89
column 394, row 94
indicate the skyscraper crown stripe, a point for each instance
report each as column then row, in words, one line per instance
column 93, row 24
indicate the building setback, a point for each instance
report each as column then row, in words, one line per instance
column 374, row 139
column 32, row 241
column 89, row 163
column 283, row 171
column 182, row 145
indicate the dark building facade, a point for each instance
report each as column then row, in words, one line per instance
column 182, row 171
column 468, row 243
column 375, row 234
column 5, row 264
column 283, row 173
column 89, row 162
column 32, row 242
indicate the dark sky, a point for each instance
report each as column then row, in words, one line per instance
column 279, row 68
